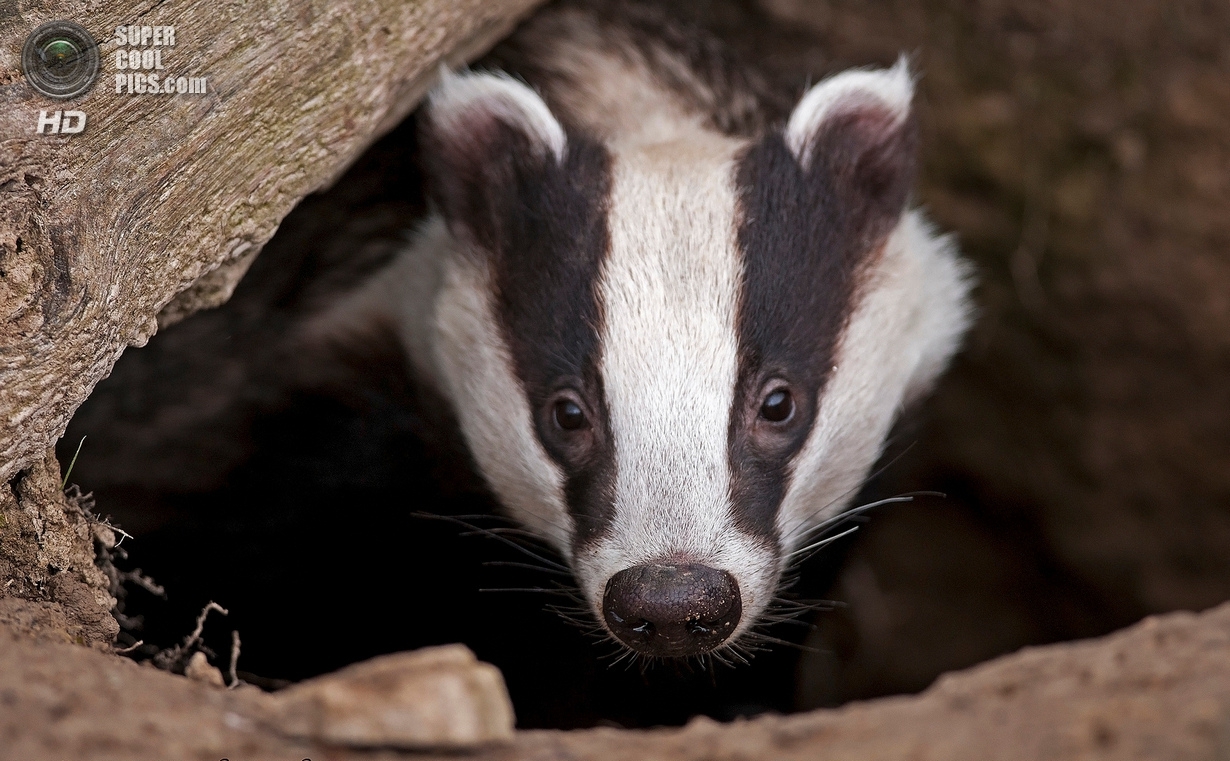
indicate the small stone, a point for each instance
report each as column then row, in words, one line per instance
column 437, row 697
column 198, row 669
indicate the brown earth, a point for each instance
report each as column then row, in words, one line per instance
column 52, row 586
column 1160, row 690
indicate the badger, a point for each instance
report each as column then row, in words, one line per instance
column 672, row 311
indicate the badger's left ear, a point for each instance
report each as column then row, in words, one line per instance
column 857, row 130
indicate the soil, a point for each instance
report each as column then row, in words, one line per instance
column 53, row 586
column 1158, row 690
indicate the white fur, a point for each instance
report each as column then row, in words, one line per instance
column 669, row 366
column 907, row 325
column 911, row 312
column 459, row 96
column 477, row 374
column 892, row 89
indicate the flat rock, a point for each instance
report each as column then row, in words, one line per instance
column 437, row 697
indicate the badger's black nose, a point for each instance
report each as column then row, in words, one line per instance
column 672, row 610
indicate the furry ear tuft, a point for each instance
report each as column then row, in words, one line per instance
column 856, row 133
column 471, row 106
column 482, row 135
column 886, row 93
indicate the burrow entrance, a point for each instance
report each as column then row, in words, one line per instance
column 293, row 492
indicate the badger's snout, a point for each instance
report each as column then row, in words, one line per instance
column 672, row 610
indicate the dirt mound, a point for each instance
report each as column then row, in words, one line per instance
column 1160, row 689
column 52, row 586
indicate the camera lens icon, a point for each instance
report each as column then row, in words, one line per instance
column 60, row 59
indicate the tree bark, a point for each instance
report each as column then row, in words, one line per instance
column 157, row 208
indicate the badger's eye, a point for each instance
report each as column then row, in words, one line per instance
column 569, row 416
column 778, row 406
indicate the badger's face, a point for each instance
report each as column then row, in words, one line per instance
column 674, row 357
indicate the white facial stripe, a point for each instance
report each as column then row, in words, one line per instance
column 670, row 355
column 669, row 365
column 477, row 373
column 907, row 325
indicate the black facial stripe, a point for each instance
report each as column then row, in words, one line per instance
column 806, row 235
column 552, row 240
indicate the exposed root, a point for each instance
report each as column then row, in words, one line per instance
column 234, row 660
column 175, row 658
column 108, row 539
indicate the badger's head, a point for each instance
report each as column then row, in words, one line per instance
column 673, row 356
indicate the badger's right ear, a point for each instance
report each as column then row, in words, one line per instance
column 483, row 136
